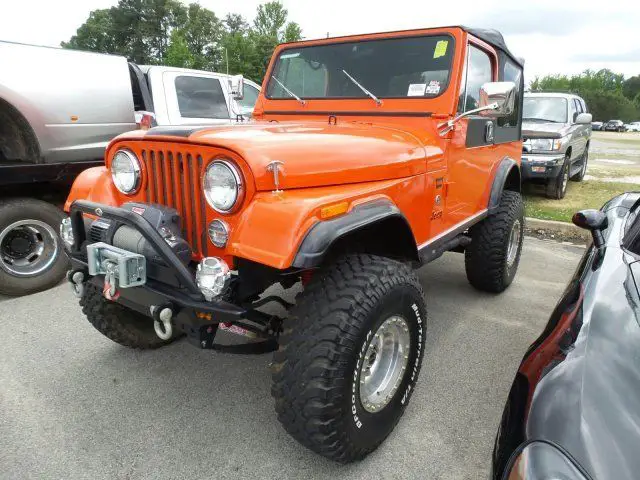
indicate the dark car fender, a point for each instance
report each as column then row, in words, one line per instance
column 507, row 177
column 371, row 219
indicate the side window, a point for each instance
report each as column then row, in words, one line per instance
column 201, row 97
column 512, row 73
column 584, row 106
column 573, row 111
column 479, row 72
column 250, row 96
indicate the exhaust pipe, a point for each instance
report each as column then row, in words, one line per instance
column 162, row 322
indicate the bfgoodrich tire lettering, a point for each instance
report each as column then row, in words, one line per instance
column 317, row 371
column 488, row 264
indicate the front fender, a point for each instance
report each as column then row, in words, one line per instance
column 93, row 184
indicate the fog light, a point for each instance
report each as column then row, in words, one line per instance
column 212, row 277
column 218, row 233
column 66, row 232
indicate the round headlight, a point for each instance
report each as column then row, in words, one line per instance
column 218, row 233
column 222, row 185
column 125, row 171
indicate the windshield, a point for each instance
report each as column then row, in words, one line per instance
column 545, row 109
column 388, row 68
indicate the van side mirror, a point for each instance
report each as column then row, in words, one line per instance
column 584, row 119
column 236, row 84
column 498, row 99
column 593, row 220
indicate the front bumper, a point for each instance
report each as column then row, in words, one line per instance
column 172, row 287
column 541, row 166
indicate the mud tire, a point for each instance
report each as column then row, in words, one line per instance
column 486, row 257
column 316, row 371
column 120, row 324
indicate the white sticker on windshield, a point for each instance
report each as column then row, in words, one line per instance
column 416, row 89
column 290, row 55
column 433, row 88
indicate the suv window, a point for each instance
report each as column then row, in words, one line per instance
column 201, row 97
column 479, row 72
column 406, row 67
column 250, row 96
column 573, row 111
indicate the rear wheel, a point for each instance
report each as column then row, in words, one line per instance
column 350, row 355
column 31, row 254
column 492, row 258
column 557, row 187
column 120, row 324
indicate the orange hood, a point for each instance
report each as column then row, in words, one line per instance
column 318, row 154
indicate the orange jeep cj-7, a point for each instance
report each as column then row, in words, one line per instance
column 366, row 157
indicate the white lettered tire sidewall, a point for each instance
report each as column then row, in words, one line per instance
column 367, row 428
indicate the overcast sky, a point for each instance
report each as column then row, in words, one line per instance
column 553, row 36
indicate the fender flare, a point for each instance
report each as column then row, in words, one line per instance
column 503, row 172
column 322, row 235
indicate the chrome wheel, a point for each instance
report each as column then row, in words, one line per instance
column 27, row 248
column 384, row 364
column 514, row 243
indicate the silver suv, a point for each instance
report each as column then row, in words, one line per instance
column 556, row 130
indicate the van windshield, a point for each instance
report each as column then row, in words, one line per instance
column 387, row 68
column 545, row 109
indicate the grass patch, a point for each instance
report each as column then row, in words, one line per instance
column 580, row 195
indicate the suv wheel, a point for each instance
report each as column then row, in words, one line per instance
column 120, row 324
column 557, row 187
column 350, row 355
column 31, row 254
column 492, row 258
column 583, row 169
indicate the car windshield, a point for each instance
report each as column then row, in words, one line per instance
column 545, row 109
column 388, row 68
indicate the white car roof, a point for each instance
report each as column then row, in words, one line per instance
column 551, row 94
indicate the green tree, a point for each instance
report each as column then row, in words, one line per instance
column 96, row 34
column 178, row 53
column 631, row 87
column 203, row 33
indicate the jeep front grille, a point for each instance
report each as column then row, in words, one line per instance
column 174, row 180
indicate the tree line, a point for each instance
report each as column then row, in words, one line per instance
column 168, row 32
column 608, row 95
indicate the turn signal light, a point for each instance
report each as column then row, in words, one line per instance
column 334, row 210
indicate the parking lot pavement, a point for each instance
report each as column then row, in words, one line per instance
column 75, row 405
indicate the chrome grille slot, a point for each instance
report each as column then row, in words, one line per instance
column 174, row 181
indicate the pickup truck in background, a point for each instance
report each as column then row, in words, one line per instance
column 58, row 111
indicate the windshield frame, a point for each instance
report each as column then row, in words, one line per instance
column 546, row 97
column 294, row 46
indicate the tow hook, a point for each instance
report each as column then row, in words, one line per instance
column 162, row 315
column 76, row 279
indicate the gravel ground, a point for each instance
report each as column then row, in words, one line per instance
column 74, row 405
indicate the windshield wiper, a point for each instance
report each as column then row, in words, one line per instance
column 302, row 102
column 376, row 99
column 540, row 119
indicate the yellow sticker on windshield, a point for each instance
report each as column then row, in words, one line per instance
column 441, row 48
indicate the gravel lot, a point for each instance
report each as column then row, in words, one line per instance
column 75, row 405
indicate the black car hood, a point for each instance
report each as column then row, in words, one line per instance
column 544, row 129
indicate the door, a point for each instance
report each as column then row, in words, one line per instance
column 195, row 99
column 472, row 152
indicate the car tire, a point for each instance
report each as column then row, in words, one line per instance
column 557, row 187
column 32, row 257
column 323, row 376
column 492, row 258
column 119, row 324
column 583, row 168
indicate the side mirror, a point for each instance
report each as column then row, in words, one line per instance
column 593, row 220
column 584, row 118
column 236, row 84
column 498, row 99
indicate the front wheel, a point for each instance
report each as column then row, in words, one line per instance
column 557, row 187
column 492, row 258
column 31, row 254
column 350, row 356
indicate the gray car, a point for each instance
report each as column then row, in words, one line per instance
column 556, row 130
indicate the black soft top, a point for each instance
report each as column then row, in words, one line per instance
column 494, row 38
